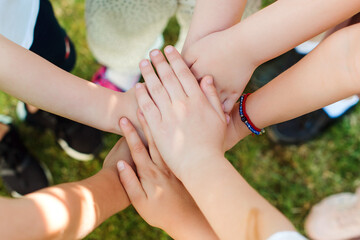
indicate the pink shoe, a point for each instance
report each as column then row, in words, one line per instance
column 99, row 78
column 336, row 217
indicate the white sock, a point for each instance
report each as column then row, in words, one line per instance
column 123, row 81
column 306, row 47
column 337, row 109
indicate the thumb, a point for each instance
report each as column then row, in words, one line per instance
column 208, row 88
column 130, row 182
column 230, row 102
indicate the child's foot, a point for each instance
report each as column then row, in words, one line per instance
column 20, row 171
column 335, row 218
column 77, row 140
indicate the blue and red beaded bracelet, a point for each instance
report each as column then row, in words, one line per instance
column 245, row 118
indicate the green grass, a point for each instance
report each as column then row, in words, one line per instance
column 293, row 178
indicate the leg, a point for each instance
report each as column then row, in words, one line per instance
column 120, row 33
column 52, row 43
column 184, row 15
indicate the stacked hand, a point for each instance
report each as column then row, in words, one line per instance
column 186, row 120
column 158, row 196
column 214, row 55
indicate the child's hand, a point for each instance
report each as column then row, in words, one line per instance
column 215, row 55
column 158, row 196
column 188, row 126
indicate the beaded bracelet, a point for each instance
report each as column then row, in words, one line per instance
column 245, row 118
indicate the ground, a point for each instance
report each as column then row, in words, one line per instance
column 293, row 178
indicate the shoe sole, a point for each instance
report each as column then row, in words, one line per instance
column 20, row 111
column 73, row 153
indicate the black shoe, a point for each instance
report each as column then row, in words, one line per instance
column 77, row 140
column 308, row 126
column 271, row 69
column 301, row 129
column 20, row 171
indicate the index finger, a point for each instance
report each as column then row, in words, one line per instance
column 182, row 71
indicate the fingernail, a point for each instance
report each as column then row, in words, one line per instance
column 138, row 85
column 120, row 166
column 209, row 80
column 154, row 53
column 124, row 121
column 144, row 63
column 227, row 118
column 169, row 49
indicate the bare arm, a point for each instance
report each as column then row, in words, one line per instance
column 67, row 211
column 34, row 80
column 328, row 74
column 232, row 55
column 213, row 16
column 285, row 24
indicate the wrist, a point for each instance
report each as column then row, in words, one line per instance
column 241, row 129
column 107, row 190
column 190, row 165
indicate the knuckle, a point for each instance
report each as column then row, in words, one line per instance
column 184, row 73
column 152, row 173
column 147, row 106
column 136, row 198
column 138, row 147
column 157, row 89
column 167, row 75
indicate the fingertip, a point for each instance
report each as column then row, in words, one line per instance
column 144, row 63
column 124, row 121
column 169, row 49
column 209, row 80
column 138, row 85
column 227, row 117
column 206, row 82
column 154, row 52
column 120, row 165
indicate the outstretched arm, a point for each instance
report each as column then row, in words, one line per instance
column 326, row 75
column 233, row 54
column 70, row 210
column 34, row 80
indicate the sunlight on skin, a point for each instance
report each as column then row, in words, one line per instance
column 55, row 207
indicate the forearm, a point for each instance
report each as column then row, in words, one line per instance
column 285, row 24
column 326, row 75
column 67, row 211
column 193, row 229
column 233, row 208
column 213, row 16
column 32, row 79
